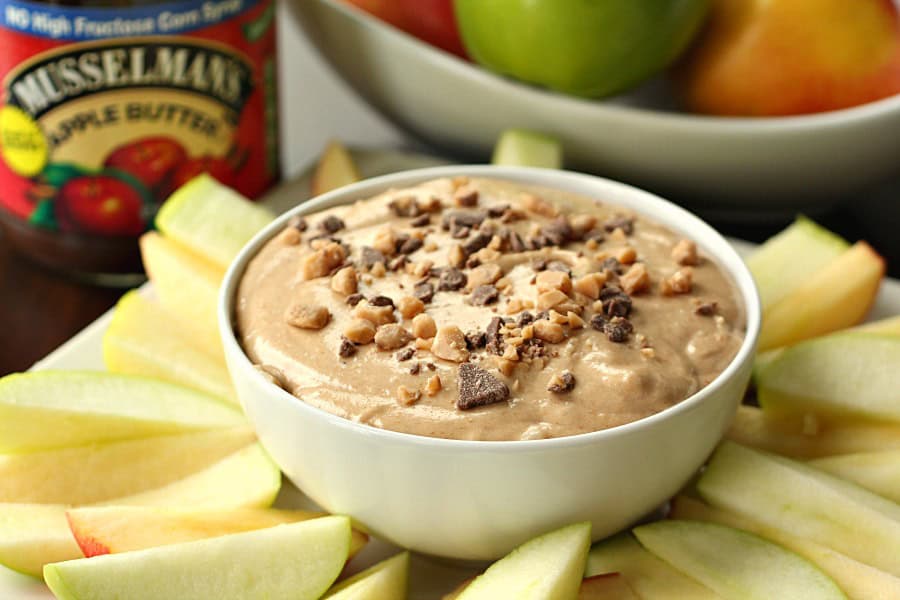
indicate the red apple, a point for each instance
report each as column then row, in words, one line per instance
column 432, row 21
column 100, row 204
column 150, row 159
column 787, row 57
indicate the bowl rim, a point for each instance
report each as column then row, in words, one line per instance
column 710, row 124
column 726, row 256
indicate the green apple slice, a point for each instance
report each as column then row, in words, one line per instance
column 94, row 473
column 523, row 148
column 609, row 586
column 334, row 169
column 144, row 339
column 735, row 563
column 297, row 561
column 878, row 472
column 386, row 580
column 798, row 499
column 858, row 580
column 789, row 257
column 850, row 375
column 43, row 410
column 549, row 567
column 211, row 219
column 647, row 575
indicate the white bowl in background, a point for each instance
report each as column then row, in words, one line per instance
column 477, row 500
column 744, row 167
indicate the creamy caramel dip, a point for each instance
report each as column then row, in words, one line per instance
column 481, row 309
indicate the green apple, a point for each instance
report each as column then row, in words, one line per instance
column 647, row 575
column 805, row 502
column 523, row 148
column 853, row 375
column 549, row 567
column 42, row 410
column 735, row 563
column 386, row 580
column 858, row 580
column 587, row 48
column 878, row 472
column 299, row 560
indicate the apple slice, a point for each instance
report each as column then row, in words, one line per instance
column 32, row 535
column 211, row 219
column 335, row 169
column 735, row 563
column 647, row 575
column 808, row 438
column 549, row 567
column 858, row 580
column 837, row 296
column 144, row 339
column 610, row 586
column 87, row 407
column 88, row 474
column 299, row 561
column 386, row 580
column 787, row 259
column 523, row 148
column 825, row 377
column 888, row 326
column 792, row 497
column 878, row 472
column 187, row 286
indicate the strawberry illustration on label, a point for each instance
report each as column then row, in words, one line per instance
column 100, row 204
column 150, row 159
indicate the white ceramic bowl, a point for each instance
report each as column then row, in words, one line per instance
column 477, row 500
column 743, row 167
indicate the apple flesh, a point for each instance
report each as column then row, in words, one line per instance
column 88, row 407
column 836, row 296
column 386, row 580
column 589, row 49
column 32, row 535
column 792, row 497
column 787, row 58
column 878, row 472
column 549, row 567
column 523, row 148
column 610, row 586
column 734, row 563
column 646, row 574
column 839, row 377
column 334, row 169
column 211, row 219
column 858, row 580
column 299, row 560
column 144, row 339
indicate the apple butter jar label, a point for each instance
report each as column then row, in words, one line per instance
column 106, row 110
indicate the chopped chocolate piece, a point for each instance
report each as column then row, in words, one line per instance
column 370, row 256
column 618, row 330
column 406, row 354
column 524, row 319
column 536, row 242
column 562, row 383
column 515, row 242
column 495, row 343
column 542, row 315
column 459, row 218
column 609, row 290
column 298, row 223
column 481, row 240
column 622, row 222
column 706, row 309
column 558, row 265
column 488, row 228
column 331, row 224
column 410, row 245
column 414, row 369
column 399, row 240
column 594, row 235
column 497, row 210
column 475, row 340
column 398, row 263
column 452, row 279
column 477, row 387
column 558, row 232
column 405, row 206
column 611, row 264
column 532, row 348
column 484, row 295
column 599, row 322
column 431, row 366
column 324, row 235
column 354, row 299
column 381, row 301
column 493, row 328
column 473, row 262
column 460, row 233
column 424, row 291
column 347, row 348
column 467, row 198
column 539, row 264
column 421, row 221
column 617, row 305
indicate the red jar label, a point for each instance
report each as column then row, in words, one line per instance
column 105, row 111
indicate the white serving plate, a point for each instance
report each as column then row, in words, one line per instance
column 429, row 578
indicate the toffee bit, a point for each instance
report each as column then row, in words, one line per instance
column 473, row 262
column 381, row 301
column 331, row 224
column 706, row 309
column 477, row 388
column 466, row 197
column 405, row 206
column 476, row 340
column 414, row 369
column 595, row 236
column 354, row 299
column 405, row 354
column 347, row 348
column 370, row 256
column 451, row 280
column 562, row 383
column 476, row 243
column 424, row 291
column 298, row 223
column 622, row 222
column 484, row 295
column 422, row 220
